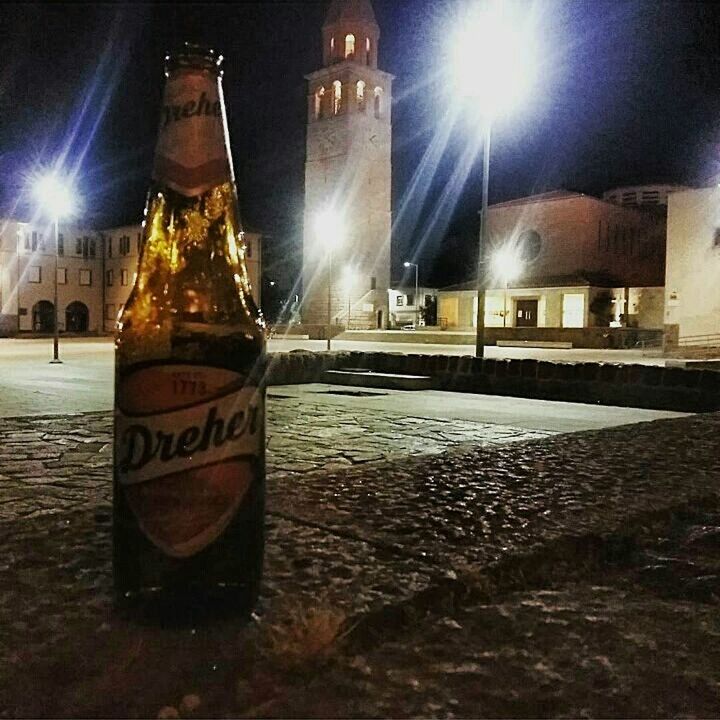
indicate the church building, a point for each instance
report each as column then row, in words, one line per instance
column 347, row 221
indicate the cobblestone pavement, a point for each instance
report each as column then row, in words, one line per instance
column 360, row 536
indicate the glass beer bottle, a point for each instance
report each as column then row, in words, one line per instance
column 188, row 492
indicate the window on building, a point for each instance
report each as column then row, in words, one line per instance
column 573, row 310
column 61, row 245
column 319, row 97
column 361, row 95
column 411, row 299
column 62, row 276
column 373, row 283
column 110, row 312
column 41, row 242
column 400, row 300
column 34, row 274
column 78, row 246
column 92, row 248
column 367, row 51
column 123, row 277
column 109, row 246
column 349, row 46
column 85, row 277
column 716, row 238
column 34, row 241
column 27, row 241
column 378, row 101
column 124, row 245
column 607, row 238
column 337, row 97
column 109, row 278
column 248, row 249
column 332, row 48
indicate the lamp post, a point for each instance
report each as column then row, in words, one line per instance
column 407, row 265
column 348, row 280
column 329, row 228
column 491, row 57
column 56, row 198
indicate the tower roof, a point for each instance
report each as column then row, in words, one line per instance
column 350, row 11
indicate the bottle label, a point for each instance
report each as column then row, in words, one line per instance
column 191, row 154
column 186, row 441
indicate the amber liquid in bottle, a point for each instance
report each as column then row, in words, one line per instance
column 189, row 470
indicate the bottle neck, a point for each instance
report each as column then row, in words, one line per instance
column 192, row 153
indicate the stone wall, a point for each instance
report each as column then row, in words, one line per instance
column 643, row 386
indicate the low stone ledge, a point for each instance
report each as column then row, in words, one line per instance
column 646, row 386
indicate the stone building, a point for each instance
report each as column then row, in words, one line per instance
column 348, row 174
column 692, row 281
column 96, row 271
column 27, row 266
column 580, row 262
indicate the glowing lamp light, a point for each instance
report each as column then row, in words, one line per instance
column 492, row 58
column 349, row 277
column 506, row 264
column 329, row 227
column 55, row 195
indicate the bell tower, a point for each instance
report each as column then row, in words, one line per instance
column 348, row 175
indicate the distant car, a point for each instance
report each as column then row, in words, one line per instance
column 408, row 327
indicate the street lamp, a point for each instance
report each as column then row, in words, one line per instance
column 56, row 199
column 329, row 229
column 348, row 280
column 506, row 266
column 407, row 265
column 492, row 61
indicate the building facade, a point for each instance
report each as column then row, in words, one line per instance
column 562, row 303
column 578, row 261
column 408, row 308
column 27, row 267
column 348, row 174
column 692, row 289
column 95, row 273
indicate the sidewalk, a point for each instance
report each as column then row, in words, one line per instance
column 520, row 574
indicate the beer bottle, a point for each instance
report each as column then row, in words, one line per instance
column 188, row 492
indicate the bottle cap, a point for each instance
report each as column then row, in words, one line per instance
column 192, row 55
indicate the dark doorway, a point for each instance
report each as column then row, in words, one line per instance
column 430, row 310
column 379, row 319
column 526, row 313
column 76, row 317
column 43, row 317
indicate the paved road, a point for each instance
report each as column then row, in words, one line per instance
column 29, row 385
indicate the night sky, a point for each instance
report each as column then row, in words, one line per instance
column 627, row 92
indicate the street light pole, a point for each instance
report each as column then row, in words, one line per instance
column 348, row 317
column 329, row 295
column 417, row 289
column 505, row 305
column 482, row 244
column 416, row 295
column 56, row 330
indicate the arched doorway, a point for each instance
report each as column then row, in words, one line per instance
column 43, row 317
column 76, row 317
